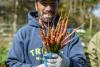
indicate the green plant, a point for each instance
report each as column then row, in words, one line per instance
column 3, row 52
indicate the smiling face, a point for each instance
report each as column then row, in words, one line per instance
column 47, row 9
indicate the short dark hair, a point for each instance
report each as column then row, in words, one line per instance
column 41, row 0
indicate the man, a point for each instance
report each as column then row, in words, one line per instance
column 27, row 49
column 94, row 50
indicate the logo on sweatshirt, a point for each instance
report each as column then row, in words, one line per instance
column 37, row 52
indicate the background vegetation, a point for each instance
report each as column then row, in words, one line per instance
column 13, row 15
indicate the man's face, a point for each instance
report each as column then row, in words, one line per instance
column 47, row 9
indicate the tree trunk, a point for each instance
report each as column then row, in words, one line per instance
column 15, row 17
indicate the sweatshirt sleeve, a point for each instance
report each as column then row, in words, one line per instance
column 76, row 53
column 16, row 53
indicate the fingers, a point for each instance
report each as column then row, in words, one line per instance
column 52, row 61
column 51, row 65
column 55, row 61
column 54, row 65
column 55, row 55
column 41, row 65
column 51, row 55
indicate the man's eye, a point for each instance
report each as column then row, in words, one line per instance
column 53, row 4
column 43, row 3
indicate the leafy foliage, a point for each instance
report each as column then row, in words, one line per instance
column 3, row 52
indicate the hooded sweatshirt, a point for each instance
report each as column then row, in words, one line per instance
column 27, row 48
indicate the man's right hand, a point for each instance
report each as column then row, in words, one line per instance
column 41, row 65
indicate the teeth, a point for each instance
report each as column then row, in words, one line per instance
column 47, row 15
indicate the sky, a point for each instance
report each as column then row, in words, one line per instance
column 96, row 11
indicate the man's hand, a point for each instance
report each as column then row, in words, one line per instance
column 41, row 65
column 55, row 60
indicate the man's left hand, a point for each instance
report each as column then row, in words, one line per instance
column 56, row 61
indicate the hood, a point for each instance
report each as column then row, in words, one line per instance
column 33, row 22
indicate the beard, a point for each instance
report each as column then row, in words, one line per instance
column 47, row 17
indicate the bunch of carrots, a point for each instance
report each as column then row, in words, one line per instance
column 57, row 37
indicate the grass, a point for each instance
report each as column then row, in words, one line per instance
column 4, row 48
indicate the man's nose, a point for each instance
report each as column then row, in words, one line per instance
column 48, row 8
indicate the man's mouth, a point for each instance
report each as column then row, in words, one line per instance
column 48, row 15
